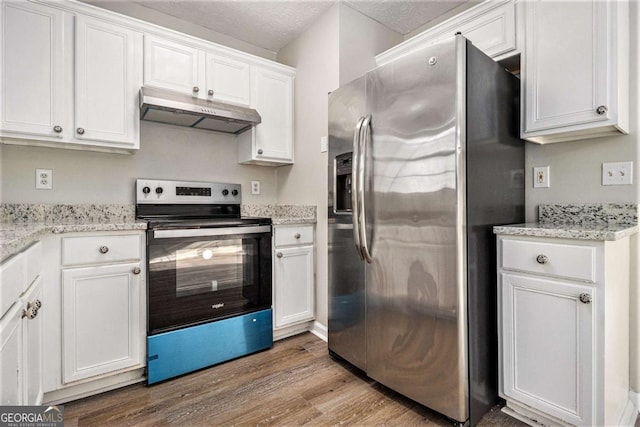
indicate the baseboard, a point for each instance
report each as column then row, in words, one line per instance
column 629, row 414
column 320, row 330
column 634, row 396
column 91, row 388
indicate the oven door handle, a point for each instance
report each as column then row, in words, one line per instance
column 199, row 232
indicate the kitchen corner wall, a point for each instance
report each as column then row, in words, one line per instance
column 166, row 152
column 576, row 178
column 339, row 47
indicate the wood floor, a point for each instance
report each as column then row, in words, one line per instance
column 294, row 383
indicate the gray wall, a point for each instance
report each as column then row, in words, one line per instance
column 332, row 52
column 167, row 152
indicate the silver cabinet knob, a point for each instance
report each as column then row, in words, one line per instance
column 297, row 235
column 260, row 151
column 136, row 270
column 37, row 304
column 80, row 131
column 104, row 249
column 30, row 312
column 196, row 89
column 210, row 92
column 279, row 254
column 542, row 259
column 585, row 298
column 602, row 109
column 57, row 129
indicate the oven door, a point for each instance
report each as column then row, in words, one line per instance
column 199, row 275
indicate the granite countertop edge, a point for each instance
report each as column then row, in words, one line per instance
column 292, row 220
column 606, row 232
column 16, row 236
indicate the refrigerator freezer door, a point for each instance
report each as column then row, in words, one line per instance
column 416, row 325
column 346, row 268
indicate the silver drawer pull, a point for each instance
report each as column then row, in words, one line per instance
column 30, row 312
column 104, row 249
column 542, row 259
column 279, row 254
column 136, row 270
column 297, row 235
column 57, row 129
column 585, row 298
column 80, row 131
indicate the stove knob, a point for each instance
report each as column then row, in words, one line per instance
column 234, row 192
column 159, row 190
column 225, row 192
column 146, row 190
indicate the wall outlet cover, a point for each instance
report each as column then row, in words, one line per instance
column 255, row 187
column 44, row 179
column 541, row 177
column 618, row 173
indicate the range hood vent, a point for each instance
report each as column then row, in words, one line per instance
column 164, row 106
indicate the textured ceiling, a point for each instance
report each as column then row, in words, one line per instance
column 273, row 24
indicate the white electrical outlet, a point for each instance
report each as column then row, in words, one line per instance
column 255, row 187
column 323, row 144
column 541, row 177
column 620, row 173
column 44, row 179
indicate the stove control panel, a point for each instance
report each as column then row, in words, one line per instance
column 153, row 191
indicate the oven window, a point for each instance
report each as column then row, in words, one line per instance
column 193, row 280
column 203, row 267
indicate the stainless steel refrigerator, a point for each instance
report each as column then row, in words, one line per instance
column 424, row 157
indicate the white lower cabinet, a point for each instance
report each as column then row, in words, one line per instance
column 21, row 349
column 547, row 339
column 564, row 328
column 293, row 279
column 11, row 357
column 100, row 320
column 94, row 331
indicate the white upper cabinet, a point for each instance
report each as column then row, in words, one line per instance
column 171, row 65
column 181, row 68
column 228, row 80
column 575, row 70
column 491, row 27
column 45, row 102
column 33, row 90
column 108, row 75
column 270, row 142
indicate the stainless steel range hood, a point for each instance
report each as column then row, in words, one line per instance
column 164, row 106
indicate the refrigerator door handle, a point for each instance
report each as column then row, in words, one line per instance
column 354, row 187
column 362, row 154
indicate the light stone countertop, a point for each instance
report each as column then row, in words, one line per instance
column 603, row 232
column 23, row 224
column 15, row 236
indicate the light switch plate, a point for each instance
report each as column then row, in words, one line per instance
column 618, row 173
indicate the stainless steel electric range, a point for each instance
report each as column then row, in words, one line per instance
column 208, row 276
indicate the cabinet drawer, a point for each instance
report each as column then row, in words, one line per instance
column 11, row 281
column 553, row 259
column 100, row 249
column 293, row 235
column 33, row 264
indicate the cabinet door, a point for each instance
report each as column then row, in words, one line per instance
column 171, row 65
column 548, row 346
column 32, row 338
column 33, row 91
column 568, row 64
column 294, row 293
column 273, row 95
column 100, row 320
column 228, row 80
column 108, row 78
column 11, row 357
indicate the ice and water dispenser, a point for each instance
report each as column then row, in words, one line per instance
column 343, row 176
